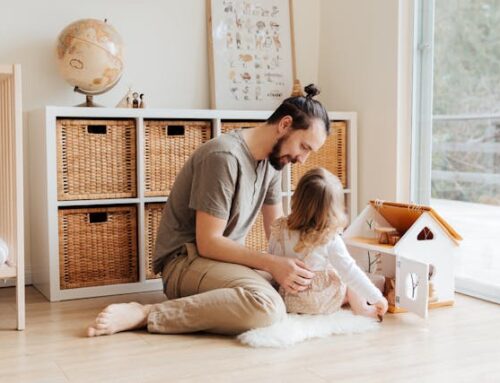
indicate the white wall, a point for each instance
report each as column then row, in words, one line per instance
column 165, row 48
column 306, row 14
column 165, row 51
column 358, row 70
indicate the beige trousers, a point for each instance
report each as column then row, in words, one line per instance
column 213, row 296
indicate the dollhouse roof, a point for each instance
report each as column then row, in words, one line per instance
column 402, row 216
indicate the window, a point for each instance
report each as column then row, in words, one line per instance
column 456, row 151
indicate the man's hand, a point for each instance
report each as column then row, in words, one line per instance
column 292, row 274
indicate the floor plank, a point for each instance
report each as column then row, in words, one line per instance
column 459, row 343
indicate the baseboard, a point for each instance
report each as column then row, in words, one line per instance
column 477, row 289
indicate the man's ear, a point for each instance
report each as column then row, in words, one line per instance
column 284, row 125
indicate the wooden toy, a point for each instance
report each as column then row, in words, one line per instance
column 416, row 247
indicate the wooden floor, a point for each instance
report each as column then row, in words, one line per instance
column 456, row 344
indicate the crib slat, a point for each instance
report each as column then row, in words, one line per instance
column 11, row 181
column 19, row 194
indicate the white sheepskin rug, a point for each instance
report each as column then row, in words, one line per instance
column 297, row 328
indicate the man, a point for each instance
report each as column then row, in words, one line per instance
column 209, row 276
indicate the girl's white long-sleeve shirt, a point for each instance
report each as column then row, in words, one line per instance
column 333, row 254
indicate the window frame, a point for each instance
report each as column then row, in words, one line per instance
column 423, row 76
column 422, row 121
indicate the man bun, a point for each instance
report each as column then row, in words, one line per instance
column 311, row 90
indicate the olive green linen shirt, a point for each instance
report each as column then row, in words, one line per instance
column 222, row 179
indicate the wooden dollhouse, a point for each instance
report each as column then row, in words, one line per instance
column 412, row 247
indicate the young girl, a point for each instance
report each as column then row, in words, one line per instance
column 311, row 233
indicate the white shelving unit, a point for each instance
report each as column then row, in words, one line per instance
column 43, row 196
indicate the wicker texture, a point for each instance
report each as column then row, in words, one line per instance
column 256, row 238
column 227, row 126
column 97, row 246
column 96, row 159
column 153, row 212
column 331, row 156
column 168, row 145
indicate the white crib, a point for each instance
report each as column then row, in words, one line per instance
column 11, row 182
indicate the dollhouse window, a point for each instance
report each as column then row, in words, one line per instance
column 411, row 284
column 425, row 234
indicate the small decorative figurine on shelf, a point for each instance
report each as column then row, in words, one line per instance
column 125, row 101
column 132, row 100
column 135, row 100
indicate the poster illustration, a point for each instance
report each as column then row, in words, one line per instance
column 250, row 49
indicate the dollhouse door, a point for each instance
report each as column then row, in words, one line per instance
column 412, row 285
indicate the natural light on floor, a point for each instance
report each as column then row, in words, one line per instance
column 478, row 264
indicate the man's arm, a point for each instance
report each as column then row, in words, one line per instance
column 212, row 244
column 292, row 274
column 270, row 213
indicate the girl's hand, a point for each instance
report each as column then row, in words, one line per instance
column 292, row 274
column 381, row 306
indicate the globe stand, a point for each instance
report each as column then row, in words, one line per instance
column 89, row 103
column 89, row 98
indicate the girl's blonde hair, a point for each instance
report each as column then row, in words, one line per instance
column 318, row 211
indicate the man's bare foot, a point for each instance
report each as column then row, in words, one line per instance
column 120, row 317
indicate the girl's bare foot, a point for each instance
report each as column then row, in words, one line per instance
column 120, row 317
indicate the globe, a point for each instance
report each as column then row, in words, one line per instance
column 90, row 56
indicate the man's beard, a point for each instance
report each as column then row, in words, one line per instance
column 274, row 158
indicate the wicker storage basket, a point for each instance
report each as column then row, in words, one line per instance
column 97, row 246
column 256, row 238
column 153, row 212
column 168, row 145
column 331, row 156
column 227, row 126
column 96, row 159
